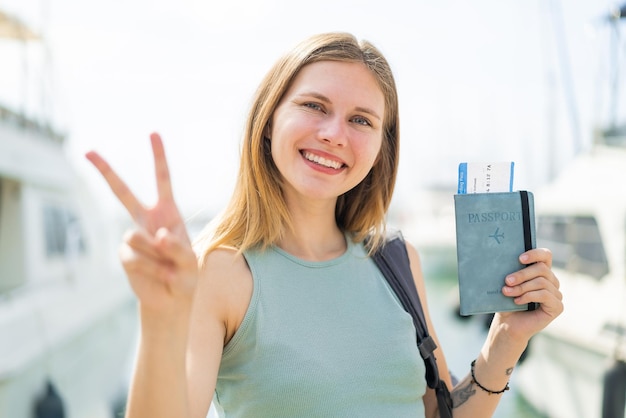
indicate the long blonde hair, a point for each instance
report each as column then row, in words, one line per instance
column 257, row 214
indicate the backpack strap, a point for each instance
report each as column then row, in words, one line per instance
column 393, row 261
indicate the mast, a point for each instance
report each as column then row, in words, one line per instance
column 615, row 131
column 13, row 29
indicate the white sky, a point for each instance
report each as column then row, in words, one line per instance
column 478, row 81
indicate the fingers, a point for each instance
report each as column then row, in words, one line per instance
column 550, row 301
column 141, row 241
column 533, row 290
column 538, row 264
column 531, row 272
column 140, row 264
column 119, row 188
column 537, row 255
column 177, row 247
column 162, row 172
column 163, row 248
column 536, row 282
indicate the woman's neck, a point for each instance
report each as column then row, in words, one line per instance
column 317, row 248
column 314, row 235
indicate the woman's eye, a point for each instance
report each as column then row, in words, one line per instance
column 313, row 106
column 362, row 121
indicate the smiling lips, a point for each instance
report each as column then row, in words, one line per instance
column 322, row 161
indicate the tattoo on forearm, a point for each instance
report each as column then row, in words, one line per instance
column 462, row 392
column 465, row 389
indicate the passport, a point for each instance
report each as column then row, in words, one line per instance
column 492, row 231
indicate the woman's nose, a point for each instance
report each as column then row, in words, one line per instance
column 334, row 131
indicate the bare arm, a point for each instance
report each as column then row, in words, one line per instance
column 508, row 336
column 222, row 297
column 163, row 272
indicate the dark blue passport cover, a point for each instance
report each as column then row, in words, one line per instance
column 492, row 231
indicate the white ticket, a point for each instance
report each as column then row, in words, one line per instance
column 485, row 177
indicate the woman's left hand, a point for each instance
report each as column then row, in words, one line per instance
column 534, row 283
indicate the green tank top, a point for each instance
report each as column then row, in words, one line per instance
column 321, row 339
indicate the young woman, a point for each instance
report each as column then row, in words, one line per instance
column 278, row 311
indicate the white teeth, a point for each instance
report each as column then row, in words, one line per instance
column 322, row 161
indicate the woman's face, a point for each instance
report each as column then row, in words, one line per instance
column 326, row 132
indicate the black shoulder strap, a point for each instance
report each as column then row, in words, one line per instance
column 393, row 261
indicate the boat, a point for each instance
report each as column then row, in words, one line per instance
column 581, row 217
column 576, row 367
column 67, row 314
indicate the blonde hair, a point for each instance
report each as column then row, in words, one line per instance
column 257, row 214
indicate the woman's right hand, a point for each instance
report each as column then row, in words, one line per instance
column 157, row 255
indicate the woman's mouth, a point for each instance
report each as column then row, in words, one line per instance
column 325, row 162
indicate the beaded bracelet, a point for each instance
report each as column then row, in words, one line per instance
column 490, row 392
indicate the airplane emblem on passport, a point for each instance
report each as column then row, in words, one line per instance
column 497, row 235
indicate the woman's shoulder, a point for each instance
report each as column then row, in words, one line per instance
column 226, row 284
column 224, row 267
column 222, row 257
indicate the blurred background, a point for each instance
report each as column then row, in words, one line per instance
column 535, row 82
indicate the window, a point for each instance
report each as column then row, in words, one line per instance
column 575, row 242
column 63, row 232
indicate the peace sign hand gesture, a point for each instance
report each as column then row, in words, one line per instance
column 157, row 255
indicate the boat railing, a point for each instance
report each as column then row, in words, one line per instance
column 21, row 121
column 614, row 135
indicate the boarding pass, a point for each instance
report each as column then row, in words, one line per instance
column 485, row 177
